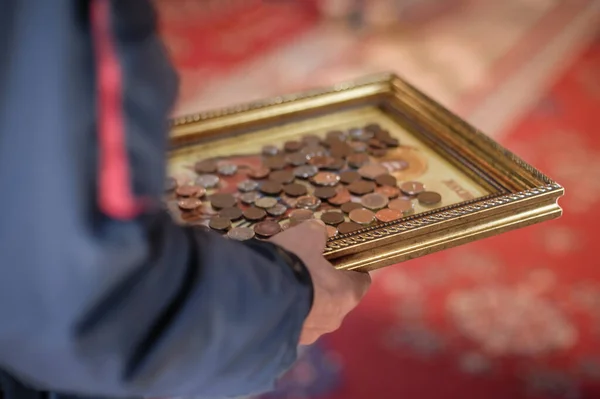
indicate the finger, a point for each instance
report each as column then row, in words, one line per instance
column 315, row 231
column 308, row 337
column 361, row 281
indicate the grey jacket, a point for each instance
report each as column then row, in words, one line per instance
column 101, row 294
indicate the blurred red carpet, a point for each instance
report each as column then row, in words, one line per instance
column 515, row 316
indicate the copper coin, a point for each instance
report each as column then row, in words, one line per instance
column 390, row 141
column 308, row 202
column 295, row 189
column 208, row 181
column 205, row 167
column 227, row 169
column 373, row 127
column 376, row 143
column 361, row 187
column 241, row 233
column 350, row 206
column 320, row 161
column 336, row 135
column 325, row 179
column 335, row 164
column 401, row 204
column 349, row 176
column 311, row 140
column 362, row 216
column 332, row 217
column 380, row 134
column 342, row 150
column 267, row 229
column 372, row 170
column 331, row 231
column 221, row 201
column 296, row 159
column 293, row 146
column 332, row 142
column 386, row 179
column 232, row 213
column 282, row 176
column 429, row 198
column 300, row 215
column 270, row 150
column 190, row 190
column 189, row 204
column 390, row 192
column 271, row 188
column 378, row 152
column 388, row 215
column 412, row 188
column 305, row 171
column 170, row 184
column 348, row 227
column 341, row 197
column 357, row 160
column 374, row 201
column 259, row 173
column 191, row 216
column 325, row 192
column 276, row 162
column 247, row 185
column 254, row 214
column 220, row 224
column 249, row 198
column 265, row 202
column 277, row 210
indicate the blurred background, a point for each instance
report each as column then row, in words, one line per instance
column 515, row 316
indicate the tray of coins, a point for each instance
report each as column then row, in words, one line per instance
column 391, row 173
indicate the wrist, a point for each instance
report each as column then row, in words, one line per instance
column 286, row 259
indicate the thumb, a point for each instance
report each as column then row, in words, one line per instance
column 313, row 230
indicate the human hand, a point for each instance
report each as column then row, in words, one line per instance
column 336, row 292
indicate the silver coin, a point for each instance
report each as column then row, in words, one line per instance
column 296, row 159
column 277, row 210
column 208, row 181
column 358, row 146
column 305, row 171
column 241, row 233
column 314, row 151
column 250, row 197
column 374, row 201
column 308, row 202
column 360, row 134
column 270, row 150
column 247, row 185
column 227, row 169
column 265, row 202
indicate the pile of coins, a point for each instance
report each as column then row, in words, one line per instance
column 336, row 178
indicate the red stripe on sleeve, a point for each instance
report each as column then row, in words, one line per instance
column 115, row 196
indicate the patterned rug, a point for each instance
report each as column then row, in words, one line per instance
column 515, row 316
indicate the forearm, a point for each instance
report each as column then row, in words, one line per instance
column 188, row 321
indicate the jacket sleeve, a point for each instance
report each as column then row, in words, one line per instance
column 95, row 297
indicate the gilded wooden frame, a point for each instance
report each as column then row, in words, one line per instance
column 521, row 195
